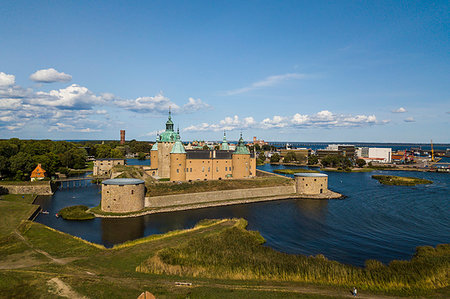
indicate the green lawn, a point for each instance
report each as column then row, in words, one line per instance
column 294, row 171
column 400, row 181
column 156, row 189
column 12, row 213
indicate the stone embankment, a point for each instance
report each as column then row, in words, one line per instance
column 38, row 188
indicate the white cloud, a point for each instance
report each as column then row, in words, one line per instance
column 322, row 119
column 194, row 105
column 49, row 76
column 72, row 97
column 154, row 133
column 409, row 120
column 7, row 80
column 267, row 82
column 160, row 104
column 399, row 110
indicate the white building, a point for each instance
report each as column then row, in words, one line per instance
column 375, row 154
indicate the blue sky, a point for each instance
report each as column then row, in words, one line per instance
column 307, row 71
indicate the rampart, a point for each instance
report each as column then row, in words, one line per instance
column 41, row 188
column 215, row 196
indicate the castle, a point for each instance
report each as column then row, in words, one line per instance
column 169, row 159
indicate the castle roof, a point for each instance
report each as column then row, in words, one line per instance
column 38, row 172
column 178, row 147
column 123, row 181
column 224, row 146
column 241, row 149
column 169, row 134
column 155, row 145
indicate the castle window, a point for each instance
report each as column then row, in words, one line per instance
column 203, row 169
column 225, row 168
column 217, row 169
column 132, row 191
column 315, row 180
column 178, row 171
column 209, row 168
column 191, row 169
column 179, row 164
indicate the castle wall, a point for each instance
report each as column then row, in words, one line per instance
column 123, row 198
column 241, row 166
column 41, row 188
column 178, row 167
column 205, row 197
column 210, row 169
column 102, row 167
column 164, row 149
column 153, row 159
column 311, row 185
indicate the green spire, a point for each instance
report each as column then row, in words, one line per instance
column 169, row 123
column 224, row 146
column 169, row 134
column 241, row 149
column 178, row 147
column 155, row 146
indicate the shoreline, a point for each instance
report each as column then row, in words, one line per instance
column 325, row 196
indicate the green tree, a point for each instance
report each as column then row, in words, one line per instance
column 275, row 158
column 141, row 156
column 360, row 162
column 290, row 157
column 313, row 160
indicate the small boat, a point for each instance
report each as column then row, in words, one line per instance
column 56, row 215
column 44, row 212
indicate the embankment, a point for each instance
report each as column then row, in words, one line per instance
column 38, row 188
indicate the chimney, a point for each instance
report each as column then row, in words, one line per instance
column 122, row 137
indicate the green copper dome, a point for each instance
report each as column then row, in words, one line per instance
column 178, row 147
column 155, row 146
column 224, row 146
column 241, row 149
column 169, row 134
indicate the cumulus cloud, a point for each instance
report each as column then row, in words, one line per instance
column 7, row 80
column 322, row 119
column 160, row 104
column 72, row 97
column 409, row 120
column 267, row 82
column 399, row 110
column 49, row 76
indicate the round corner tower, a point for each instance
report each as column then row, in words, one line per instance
column 123, row 195
column 311, row 183
column 241, row 161
column 178, row 161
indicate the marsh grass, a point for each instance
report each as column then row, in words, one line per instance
column 400, row 181
column 79, row 212
column 213, row 185
column 293, row 171
column 237, row 254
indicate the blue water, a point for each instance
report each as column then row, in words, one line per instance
column 373, row 222
column 138, row 162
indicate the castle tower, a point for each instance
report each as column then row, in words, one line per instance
column 154, row 155
column 122, row 137
column 165, row 144
column 178, row 161
column 224, row 146
column 241, row 161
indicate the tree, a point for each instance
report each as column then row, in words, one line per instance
column 313, row 160
column 290, row 156
column 141, row 156
column 275, row 158
column 360, row 162
column 116, row 153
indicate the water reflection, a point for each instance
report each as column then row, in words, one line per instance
column 119, row 230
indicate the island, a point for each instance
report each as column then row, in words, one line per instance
column 400, row 181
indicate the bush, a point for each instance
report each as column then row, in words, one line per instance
column 76, row 213
column 360, row 162
column 275, row 158
column 3, row 190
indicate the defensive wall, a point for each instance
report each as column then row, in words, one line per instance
column 41, row 188
column 214, row 196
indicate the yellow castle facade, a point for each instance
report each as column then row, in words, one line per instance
column 170, row 159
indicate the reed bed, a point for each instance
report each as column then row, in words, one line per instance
column 236, row 253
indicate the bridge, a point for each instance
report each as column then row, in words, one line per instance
column 72, row 182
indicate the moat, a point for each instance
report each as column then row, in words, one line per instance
column 373, row 222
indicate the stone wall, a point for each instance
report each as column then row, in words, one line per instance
column 311, row 185
column 43, row 188
column 204, row 197
column 122, row 198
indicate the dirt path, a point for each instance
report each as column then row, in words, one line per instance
column 60, row 288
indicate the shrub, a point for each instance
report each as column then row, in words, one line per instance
column 76, row 213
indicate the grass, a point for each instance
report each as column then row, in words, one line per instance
column 400, row 181
column 23, row 198
column 129, row 171
column 238, row 254
column 224, row 246
column 294, row 171
column 157, row 189
column 13, row 209
column 79, row 212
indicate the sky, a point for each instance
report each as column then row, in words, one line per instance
column 303, row 71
